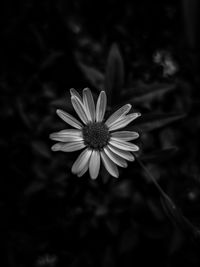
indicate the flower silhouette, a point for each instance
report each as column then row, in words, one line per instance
column 97, row 137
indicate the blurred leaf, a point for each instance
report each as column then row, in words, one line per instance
column 155, row 90
column 41, row 149
column 39, row 38
column 23, row 115
column 45, row 123
column 123, row 189
column 114, row 78
column 108, row 257
column 175, row 214
column 154, row 207
column 160, row 155
column 176, row 241
column 101, row 210
column 94, row 76
column 38, row 171
column 129, row 240
column 62, row 103
column 34, row 188
column 155, row 171
column 48, row 90
column 50, row 60
column 155, row 121
column 113, row 226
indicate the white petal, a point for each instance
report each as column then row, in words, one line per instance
column 73, row 92
column 124, row 121
column 109, row 165
column 68, row 147
column 118, row 114
column 125, row 135
column 79, row 108
column 122, row 153
column 83, row 171
column 123, row 144
column 101, row 106
column 94, row 164
column 69, row 119
column 88, row 102
column 115, row 158
column 81, row 162
column 68, row 135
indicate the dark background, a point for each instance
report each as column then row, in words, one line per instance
column 141, row 52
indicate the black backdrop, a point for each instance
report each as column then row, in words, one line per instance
column 48, row 216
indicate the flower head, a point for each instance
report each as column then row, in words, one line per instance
column 100, row 139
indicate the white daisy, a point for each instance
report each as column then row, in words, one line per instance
column 100, row 139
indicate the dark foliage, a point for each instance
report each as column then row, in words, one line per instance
column 141, row 52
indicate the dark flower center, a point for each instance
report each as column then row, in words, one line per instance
column 96, row 135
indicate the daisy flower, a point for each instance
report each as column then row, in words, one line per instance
column 100, row 139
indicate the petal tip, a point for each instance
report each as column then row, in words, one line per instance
column 54, row 148
column 93, row 177
column 58, row 111
column 51, row 136
column 137, row 135
column 137, row 148
column 71, row 91
column 73, row 170
column 74, row 97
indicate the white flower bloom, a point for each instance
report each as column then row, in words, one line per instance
column 100, row 139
